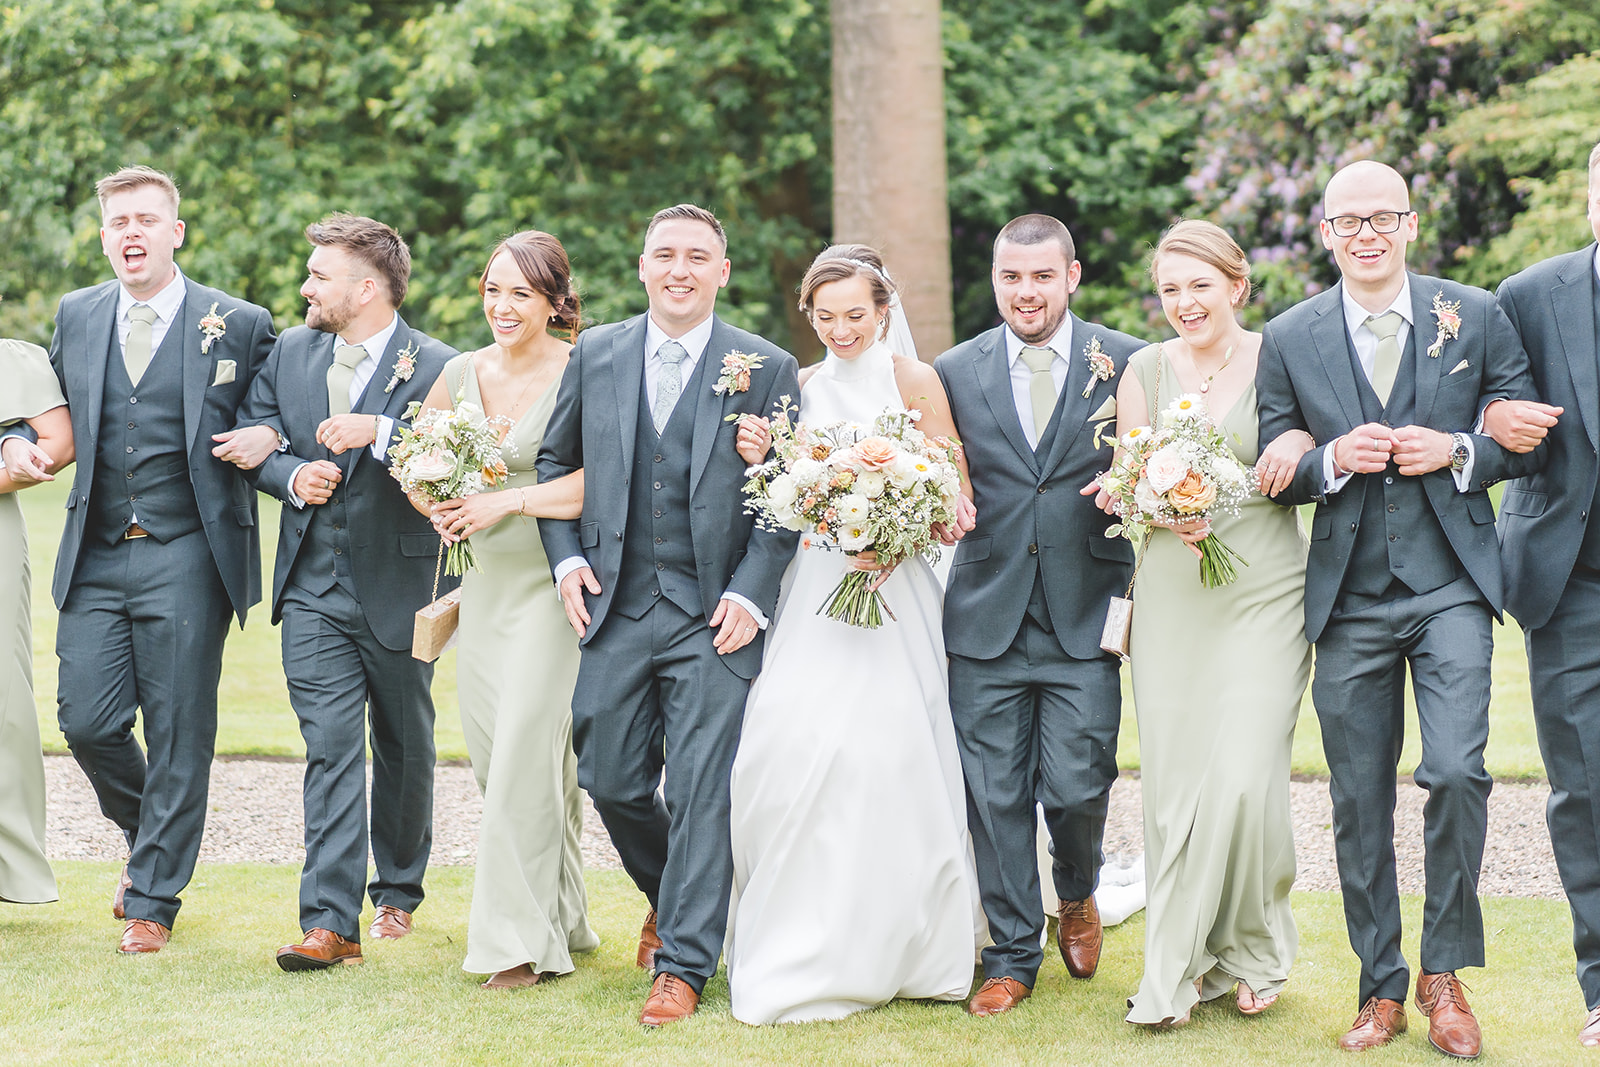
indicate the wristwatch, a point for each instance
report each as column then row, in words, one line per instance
column 1459, row 452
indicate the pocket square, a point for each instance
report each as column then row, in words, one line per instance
column 225, row 369
column 1459, row 366
column 1108, row 410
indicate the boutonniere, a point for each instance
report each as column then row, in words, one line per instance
column 1101, row 368
column 405, row 364
column 735, row 376
column 213, row 326
column 1447, row 313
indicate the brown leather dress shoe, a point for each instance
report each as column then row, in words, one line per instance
column 1378, row 1023
column 1080, row 935
column 1452, row 1028
column 671, row 999
column 143, row 935
column 123, row 882
column 390, row 923
column 998, row 995
column 319, row 950
column 648, row 943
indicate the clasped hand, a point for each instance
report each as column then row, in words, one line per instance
column 458, row 519
column 1416, row 450
column 339, row 433
column 25, row 462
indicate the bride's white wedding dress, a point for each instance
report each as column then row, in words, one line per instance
column 853, row 883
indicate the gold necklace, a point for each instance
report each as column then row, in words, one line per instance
column 1205, row 386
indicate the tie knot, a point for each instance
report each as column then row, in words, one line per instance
column 142, row 313
column 1386, row 325
column 1038, row 359
column 349, row 355
column 672, row 352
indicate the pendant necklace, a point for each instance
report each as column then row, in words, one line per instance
column 1205, row 386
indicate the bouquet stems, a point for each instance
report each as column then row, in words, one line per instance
column 1219, row 564
column 855, row 601
column 459, row 558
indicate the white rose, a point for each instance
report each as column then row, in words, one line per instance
column 782, row 490
column 430, row 467
column 871, row 484
column 853, row 508
column 1147, row 499
column 1164, row 469
column 853, row 537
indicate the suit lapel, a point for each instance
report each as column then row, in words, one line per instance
column 99, row 344
column 319, row 357
column 707, row 404
column 627, row 371
column 1571, row 304
column 1424, row 327
column 1076, row 407
column 196, row 364
column 1332, row 342
column 374, row 398
column 994, row 382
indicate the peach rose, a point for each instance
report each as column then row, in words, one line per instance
column 1193, row 494
column 875, row 453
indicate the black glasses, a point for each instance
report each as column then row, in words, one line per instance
column 1382, row 222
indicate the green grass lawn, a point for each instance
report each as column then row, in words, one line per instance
column 214, row 995
column 255, row 718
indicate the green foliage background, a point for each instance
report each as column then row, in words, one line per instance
column 462, row 121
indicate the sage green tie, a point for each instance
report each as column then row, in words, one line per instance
column 1386, row 361
column 345, row 360
column 137, row 352
column 1042, row 389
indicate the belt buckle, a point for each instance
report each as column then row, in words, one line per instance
column 134, row 531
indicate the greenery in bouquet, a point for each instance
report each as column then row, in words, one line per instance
column 1180, row 471
column 878, row 488
column 445, row 455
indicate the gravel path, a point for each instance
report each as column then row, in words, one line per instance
column 256, row 817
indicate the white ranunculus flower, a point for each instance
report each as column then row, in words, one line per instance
column 871, row 484
column 853, row 508
column 903, row 471
column 1147, row 499
column 1164, row 469
column 807, row 471
column 853, row 537
column 781, row 491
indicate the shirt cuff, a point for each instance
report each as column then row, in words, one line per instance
column 1332, row 480
column 383, row 434
column 755, row 612
column 567, row 566
column 289, row 486
column 1463, row 476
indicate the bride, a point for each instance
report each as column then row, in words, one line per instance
column 852, row 879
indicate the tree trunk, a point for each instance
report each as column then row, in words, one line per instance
column 888, row 151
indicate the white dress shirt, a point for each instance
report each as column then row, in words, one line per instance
column 375, row 345
column 166, row 304
column 694, row 344
column 1366, row 346
column 1022, row 376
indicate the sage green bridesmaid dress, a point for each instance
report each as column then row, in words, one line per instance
column 30, row 388
column 1218, row 675
column 516, row 666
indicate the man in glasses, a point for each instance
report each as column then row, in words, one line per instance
column 1390, row 372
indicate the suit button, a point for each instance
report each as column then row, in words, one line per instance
column 336, row 525
column 133, row 400
column 1391, row 508
column 130, row 448
column 661, row 566
column 1041, row 490
column 130, row 476
column 658, row 515
column 299, row 531
column 132, row 426
column 658, row 485
column 658, row 540
column 1352, row 527
column 1388, row 480
column 655, row 592
column 1394, row 537
column 1033, row 550
column 658, row 459
column 619, row 532
column 338, row 552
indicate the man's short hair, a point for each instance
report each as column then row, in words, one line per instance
column 687, row 211
column 133, row 177
column 378, row 246
column 1036, row 230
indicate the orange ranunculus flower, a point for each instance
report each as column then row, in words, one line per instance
column 1193, row 494
column 875, row 453
column 820, row 452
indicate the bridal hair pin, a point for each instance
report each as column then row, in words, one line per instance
column 868, row 266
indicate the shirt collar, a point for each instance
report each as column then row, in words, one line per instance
column 694, row 342
column 378, row 343
column 1060, row 343
column 1355, row 315
column 166, row 303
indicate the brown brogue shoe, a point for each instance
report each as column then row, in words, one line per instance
column 1452, row 1028
column 390, row 923
column 142, row 936
column 123, row 882
column 1378, row 1022
column 998, row 995
column 1080, row 935
column 671, row 999
column 319, row 950
column 649, row 941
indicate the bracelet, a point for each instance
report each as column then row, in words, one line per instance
column 522, row 500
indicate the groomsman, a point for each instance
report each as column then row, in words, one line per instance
column 1391, row 371
column 355, row 562
column 1550, row 543
column 1036, row 702
column 668, row 585
column 160, row 546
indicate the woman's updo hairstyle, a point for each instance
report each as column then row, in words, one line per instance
column 838, row 262
column 544, row 265
column 1209, row 243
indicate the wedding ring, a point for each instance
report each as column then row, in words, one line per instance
column 1376, row 447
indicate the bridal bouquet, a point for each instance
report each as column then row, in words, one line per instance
column 1183, row 471
column 878, row 487
column 443, row 455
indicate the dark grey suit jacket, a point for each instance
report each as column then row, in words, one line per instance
column 393, row 548
column 1030, row 512
column 86, row 325
column 1543, row 515
column 1306, row 381
column 593, row 426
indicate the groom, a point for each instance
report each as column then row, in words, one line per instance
column 1036, row 702
column 668, row 586
column 1392, row 371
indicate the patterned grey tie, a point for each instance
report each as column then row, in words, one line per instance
column 669, row 384
column 346, row 358
column 138, row 350
column 1386, row 361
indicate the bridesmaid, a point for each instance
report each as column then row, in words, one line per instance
column 33, row 395
column 518, row 658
